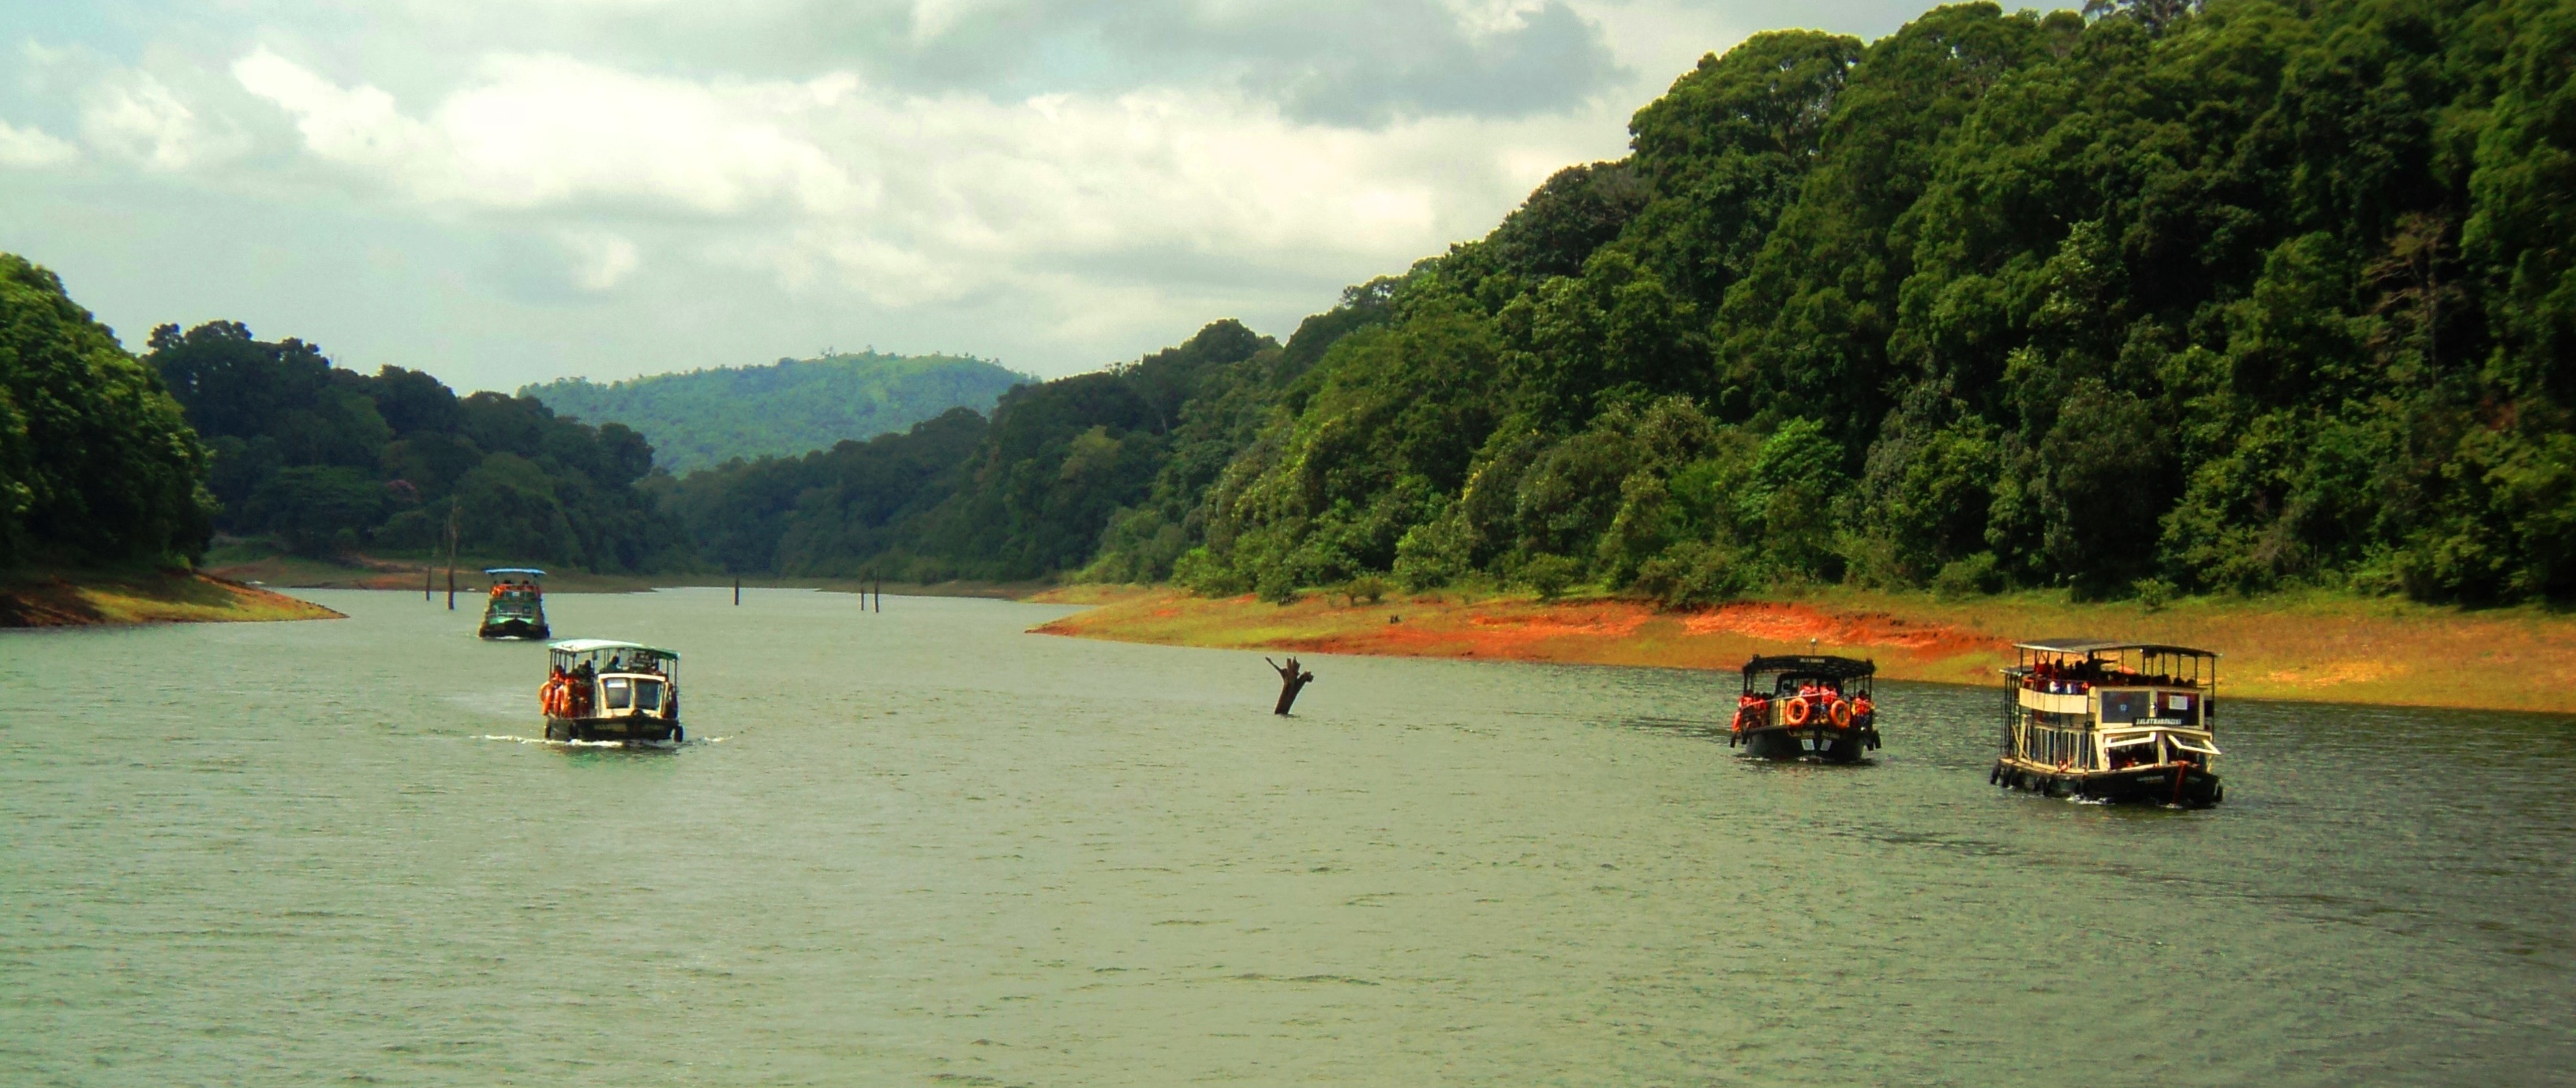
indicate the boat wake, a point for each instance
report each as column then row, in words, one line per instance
column 601, row 743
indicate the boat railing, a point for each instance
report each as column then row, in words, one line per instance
column 2051, row 703
column 2154, row 704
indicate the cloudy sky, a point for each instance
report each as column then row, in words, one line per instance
column 507, row 191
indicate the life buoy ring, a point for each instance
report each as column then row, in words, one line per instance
column 1841, row 713
column 1798, row 710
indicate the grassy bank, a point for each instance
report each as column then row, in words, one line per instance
column 102, row 598
column 2320, row 648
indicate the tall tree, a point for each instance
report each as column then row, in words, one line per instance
column 97, row 464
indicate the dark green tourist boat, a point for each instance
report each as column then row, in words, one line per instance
column 2112, row 722
column 517, row 607
column 623, row 692
column 1807, row 707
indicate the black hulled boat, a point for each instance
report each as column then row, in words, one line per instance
column 1806, row 707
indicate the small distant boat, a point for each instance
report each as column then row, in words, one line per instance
column 2112, row 722
column 599, row 690
column 1806, row 707
column 517, row 608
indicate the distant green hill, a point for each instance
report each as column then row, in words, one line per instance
column 707, row 417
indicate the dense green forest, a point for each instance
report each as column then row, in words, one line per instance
column 2159, row 298
column 1028, row 494
column 327, row 460
column 97, row 467
column 705, row 418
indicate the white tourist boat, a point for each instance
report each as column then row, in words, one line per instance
column 602, row 690
column 2112, row 721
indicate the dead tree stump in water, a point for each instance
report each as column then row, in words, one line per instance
column 1291, row 680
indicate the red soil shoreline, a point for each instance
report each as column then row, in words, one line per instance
column 2341, row 651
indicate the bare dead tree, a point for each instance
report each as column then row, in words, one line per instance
column 1291, row 681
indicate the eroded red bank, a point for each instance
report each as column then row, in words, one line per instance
column 1592, row 632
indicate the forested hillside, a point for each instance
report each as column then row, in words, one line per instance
column 1026, row 495
column 96, row 465
column 707, row 417
column 327, row 460
column 2159, row 298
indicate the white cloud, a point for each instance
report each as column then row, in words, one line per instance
column 542, row 131
column 33, row 148
column 933, row 18
column 834, row 184
column 600, row 259
column 135, row 116
column 1060, row 181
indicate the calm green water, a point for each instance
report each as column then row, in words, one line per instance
column 931, row 849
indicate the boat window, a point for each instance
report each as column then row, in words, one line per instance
column 2177, row 704
column 620, row 692
column 2190, row 744
column 2124, row 706
column 648, row 695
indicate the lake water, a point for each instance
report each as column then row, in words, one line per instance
column 922, row 847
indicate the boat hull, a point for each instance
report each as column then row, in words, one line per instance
column 2182, row 786
column 515, row 629
column 1808, row 742
column 637, row 730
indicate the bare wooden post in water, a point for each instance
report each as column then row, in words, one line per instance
column 1291, row 681
column 451, row 555
column 880, row 580
column 737, row 591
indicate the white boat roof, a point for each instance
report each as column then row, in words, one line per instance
column 589, row 645
column 2096, row 645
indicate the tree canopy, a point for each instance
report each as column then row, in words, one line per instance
column 329, row 460
column 2222, row 298
column 96, row 464
column 2161, row 295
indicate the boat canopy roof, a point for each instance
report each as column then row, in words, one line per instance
column 1830, row 668
column 2099, row 645
column 596, row 645
column 531, row 572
